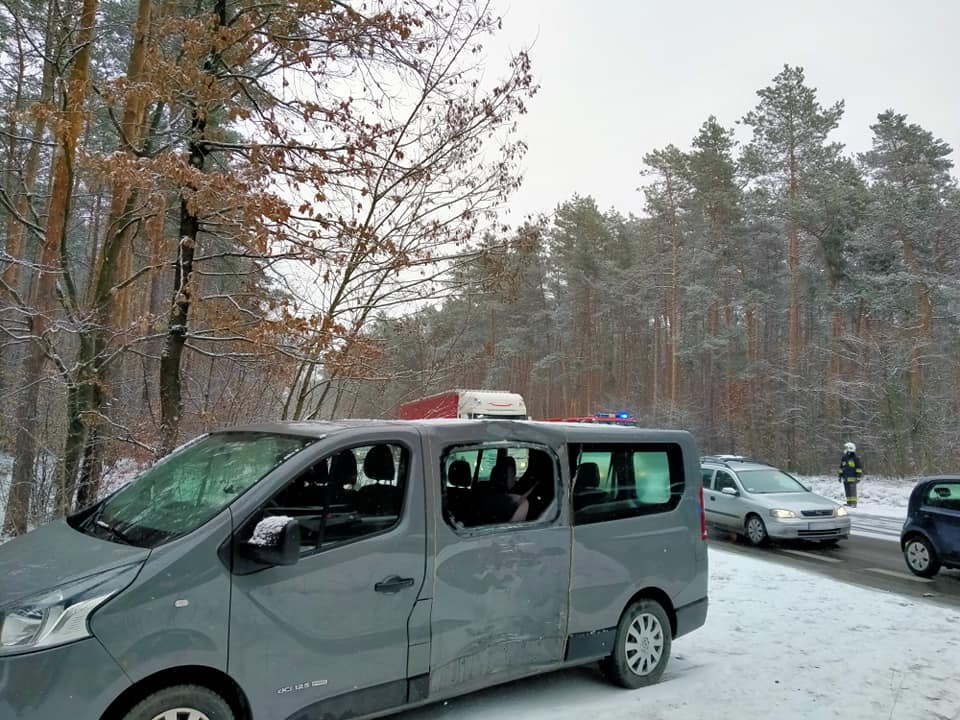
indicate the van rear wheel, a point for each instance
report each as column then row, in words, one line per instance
column 642, row 647
column 182, row 702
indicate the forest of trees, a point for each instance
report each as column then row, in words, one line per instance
column 223, row 211
column 777, row 299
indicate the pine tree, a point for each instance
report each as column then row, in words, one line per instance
column 912, row 239
column 720, row 267
column 788, row 151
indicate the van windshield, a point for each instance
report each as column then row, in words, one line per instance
column 188, row 487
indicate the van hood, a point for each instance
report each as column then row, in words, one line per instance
column 55, row 554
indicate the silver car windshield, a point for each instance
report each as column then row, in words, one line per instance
column 768, row 480
column 188, row 487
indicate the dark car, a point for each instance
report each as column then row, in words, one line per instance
column 930, row 538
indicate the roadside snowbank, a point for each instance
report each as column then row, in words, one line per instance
column 876, row 495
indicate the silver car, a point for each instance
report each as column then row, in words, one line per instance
column 760, row 502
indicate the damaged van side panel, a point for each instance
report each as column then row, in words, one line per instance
column 500, row 594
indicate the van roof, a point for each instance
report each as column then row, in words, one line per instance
column 571, row 431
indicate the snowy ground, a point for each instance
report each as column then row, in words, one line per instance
column 778, row 642
column 880, row 496
column 881, row 505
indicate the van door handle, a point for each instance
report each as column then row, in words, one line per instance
column 393, row 584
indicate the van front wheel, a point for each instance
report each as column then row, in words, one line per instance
column 182, row 702
column 642, row 647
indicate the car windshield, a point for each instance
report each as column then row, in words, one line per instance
column 188, row 487
column 768, row 480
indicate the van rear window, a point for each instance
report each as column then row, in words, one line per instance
column 617, row 480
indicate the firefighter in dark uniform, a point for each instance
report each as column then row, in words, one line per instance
column 851, row 470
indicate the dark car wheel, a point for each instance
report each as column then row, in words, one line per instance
column 642, row 647
column 182, row 702
column 756, row 531
column 921, row 557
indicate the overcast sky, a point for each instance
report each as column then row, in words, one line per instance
column 622, row 77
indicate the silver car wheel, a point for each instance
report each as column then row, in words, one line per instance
column 756, row 530
column 918, row 556
column 181, row 714
column 644, row 644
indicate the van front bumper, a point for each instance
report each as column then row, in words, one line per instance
column 76, row 681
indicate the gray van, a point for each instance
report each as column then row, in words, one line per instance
column 351, row 569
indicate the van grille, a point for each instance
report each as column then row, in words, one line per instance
column 817, row 513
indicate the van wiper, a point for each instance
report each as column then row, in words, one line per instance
column 115, row 532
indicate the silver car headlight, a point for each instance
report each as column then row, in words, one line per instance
column 783, row 514
column 841, row 511
column 58, row 616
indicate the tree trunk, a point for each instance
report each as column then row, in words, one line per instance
column 12, row 127
column 24, row 457
column 83, row 446
column 924, row 321
column 171, row 359
column 793, row 261
column 655, row 387
column 53, row 255
column 88, row 490
column 171, row 401
column 675, row 325
column 836, row 374
column 17, row 231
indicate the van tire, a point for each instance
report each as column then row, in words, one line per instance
column 202, row 704
column 645, row 628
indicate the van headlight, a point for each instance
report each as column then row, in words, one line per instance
column 58, row 616
column 841, row 511
column 783, row 513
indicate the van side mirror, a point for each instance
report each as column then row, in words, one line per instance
column 275, row 541
column 730, row 491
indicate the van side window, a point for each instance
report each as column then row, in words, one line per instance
column 498, row 485
column 614, row 481
column 349, row 495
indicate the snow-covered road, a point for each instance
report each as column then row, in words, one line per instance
column 779, row 642
column 882, row 527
